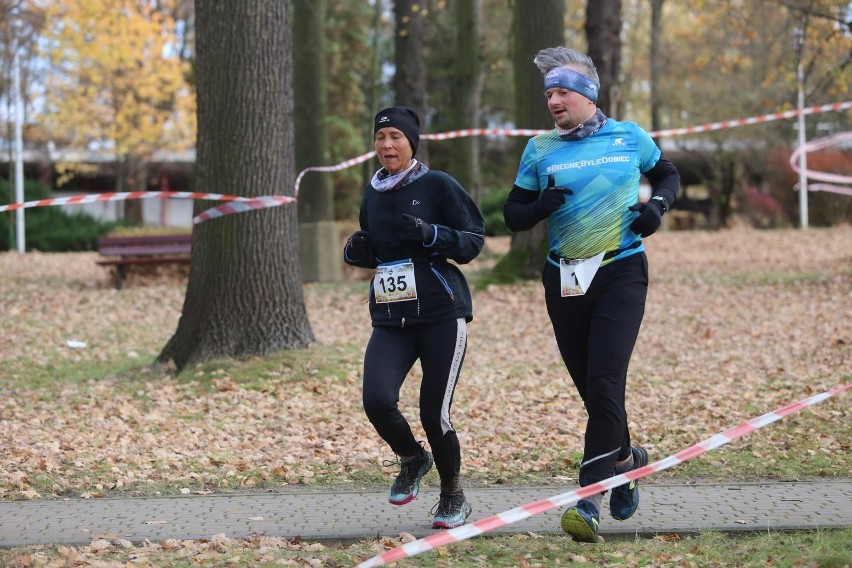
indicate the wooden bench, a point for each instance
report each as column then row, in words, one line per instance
column 122, row 252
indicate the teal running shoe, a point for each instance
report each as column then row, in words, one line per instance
column 581, row 521
column 406, row 486
column 625, row 498
column 451, row 511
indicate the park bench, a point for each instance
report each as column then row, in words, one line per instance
column 123, row 252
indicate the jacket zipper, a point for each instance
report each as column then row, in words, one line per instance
column 443, row 282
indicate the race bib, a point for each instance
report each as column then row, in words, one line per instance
column 394, row 282
column 576, row 275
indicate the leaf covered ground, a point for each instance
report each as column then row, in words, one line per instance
column 738, row 323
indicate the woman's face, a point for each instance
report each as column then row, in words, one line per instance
column 392, row 149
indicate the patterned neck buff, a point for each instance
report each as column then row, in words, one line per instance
column 584, row 130
column 385, row 181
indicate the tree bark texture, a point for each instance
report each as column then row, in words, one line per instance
column 603, row 33
column 409, row 80
column 244, row 295
column 466, row 91
column 535, row 25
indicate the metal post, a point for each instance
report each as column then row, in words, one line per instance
column 19, row 145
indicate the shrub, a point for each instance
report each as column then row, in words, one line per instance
column 491, row 206
column 49, row 229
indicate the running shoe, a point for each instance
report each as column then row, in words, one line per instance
column 451, row 511
column 625, row 498
column 581, row 521
column 406, row 486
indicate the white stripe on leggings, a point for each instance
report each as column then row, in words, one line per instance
column 455, row 367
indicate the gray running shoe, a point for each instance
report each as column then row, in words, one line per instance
column 406, row 486
column 451, row 511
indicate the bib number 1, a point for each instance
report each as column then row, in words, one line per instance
column 576, row 275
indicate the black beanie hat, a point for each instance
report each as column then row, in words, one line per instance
column 403, row 119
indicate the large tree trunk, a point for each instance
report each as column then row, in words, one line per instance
column 244, row 295
column 466, row 90
column 603, row 32
column 535, row 25
column 320, row 249
column 409, row 80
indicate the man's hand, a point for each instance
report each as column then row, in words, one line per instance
column 649, row 219
column 417, row 230
column 551, row 198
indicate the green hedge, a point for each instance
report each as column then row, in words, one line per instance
column 48, row 229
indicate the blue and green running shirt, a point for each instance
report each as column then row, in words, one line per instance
column 603, row 171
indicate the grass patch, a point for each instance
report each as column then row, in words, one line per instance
column 823, row 548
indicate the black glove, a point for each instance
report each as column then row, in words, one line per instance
column 649, row 219
column 551, row 198
column 358, row 246
column 417, row 230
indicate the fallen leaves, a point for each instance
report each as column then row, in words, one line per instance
column 737, row 323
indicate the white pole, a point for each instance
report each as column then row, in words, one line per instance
column 803, row 157
column 19, row 144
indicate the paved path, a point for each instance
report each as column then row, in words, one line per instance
column 338, row 514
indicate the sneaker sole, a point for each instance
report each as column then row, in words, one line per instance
column 444, row 525
column 576, row 526
column 405, row 501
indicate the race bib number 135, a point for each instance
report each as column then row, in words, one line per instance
column 394, row 282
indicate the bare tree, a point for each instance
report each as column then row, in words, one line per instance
column 409, row 80
column 466, row 94
column 603, row 33
column 320, row 254
column 535, row 25
column 244, row 295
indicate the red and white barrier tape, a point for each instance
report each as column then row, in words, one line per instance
column 224, row 209
column 753, row 120
column 120, row 196
column 264, row 202
column 274, row 201
column 820, row 144
column 240, row 204
column 499, row 520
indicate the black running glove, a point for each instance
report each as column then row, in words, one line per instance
column 649, row 219
column 358, row 246
column 551, row 198
column 417, row 230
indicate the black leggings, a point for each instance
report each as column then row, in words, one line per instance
column 391, row 352
column 596, row 334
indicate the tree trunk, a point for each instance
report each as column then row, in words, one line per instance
column 466, row 91
column 320, row 249
column 535, row 25
column 656, row 63
column 603, row 33
column 409, row 80
column 244, row 295
column 131, row 176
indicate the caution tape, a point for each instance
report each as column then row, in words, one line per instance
column 120, row 196
column 240, row 204
column 224, row 209
column 753, row 120
column 499, row 520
